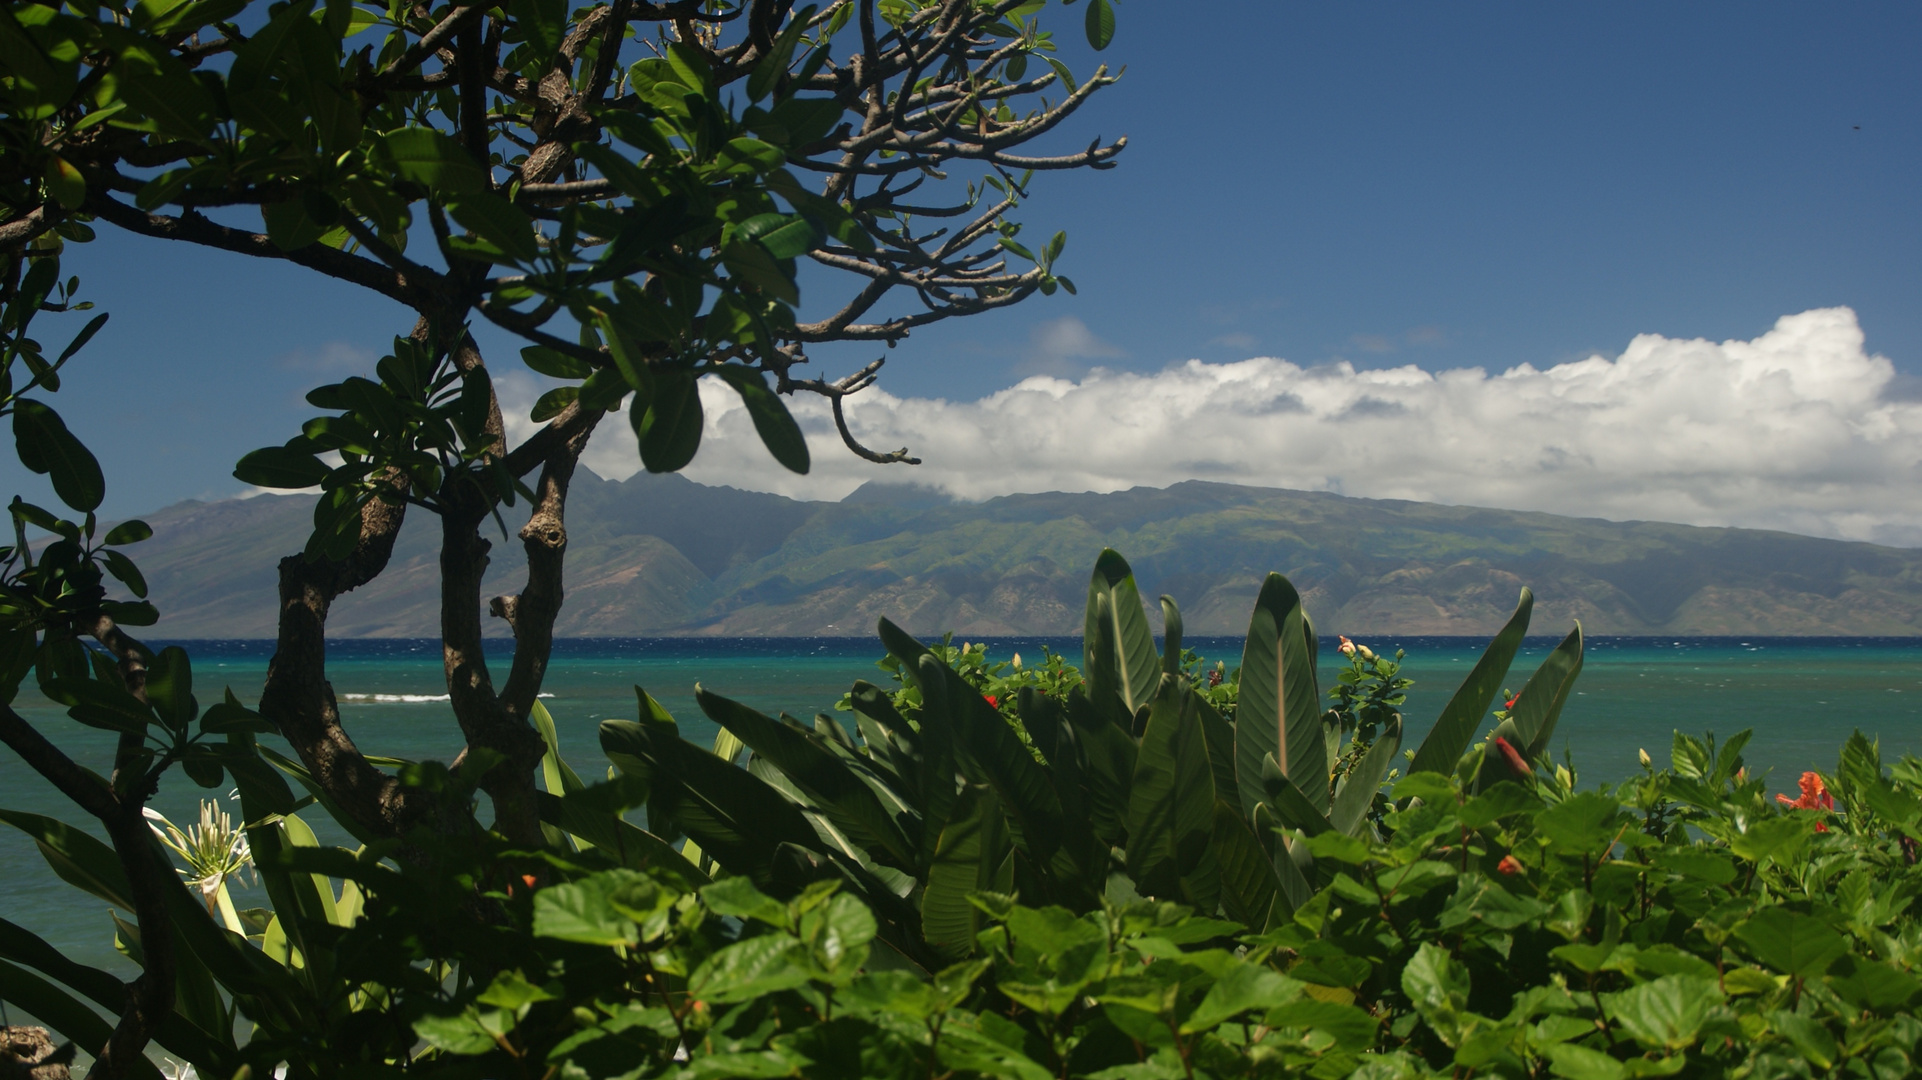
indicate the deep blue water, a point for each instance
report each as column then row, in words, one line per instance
column 1802, row 697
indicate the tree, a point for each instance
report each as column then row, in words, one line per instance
column 629, row 187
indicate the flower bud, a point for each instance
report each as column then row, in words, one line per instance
column 1346, row 648
column 1365, row 651
column 1647, row 761
column 1017, row 661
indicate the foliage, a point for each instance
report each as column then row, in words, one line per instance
column 1053, row 784
column 1686, row 923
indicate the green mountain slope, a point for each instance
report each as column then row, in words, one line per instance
column 662, row 555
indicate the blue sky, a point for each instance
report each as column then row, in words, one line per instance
column 1448, row 186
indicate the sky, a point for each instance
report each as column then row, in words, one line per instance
column 1638, row 261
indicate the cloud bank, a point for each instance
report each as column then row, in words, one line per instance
column 1799, row 429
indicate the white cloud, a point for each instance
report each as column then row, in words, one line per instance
column 1799, row 429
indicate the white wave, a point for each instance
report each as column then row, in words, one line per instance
column 404, row 699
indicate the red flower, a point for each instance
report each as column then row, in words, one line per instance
column 1815, row 796
column 990, row 699
column 1509, row 865
column 1510, row 703
column 1516, row 763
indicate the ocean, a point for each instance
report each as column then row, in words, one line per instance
column 1801, row 696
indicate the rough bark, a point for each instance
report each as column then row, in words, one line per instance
column 300, row 701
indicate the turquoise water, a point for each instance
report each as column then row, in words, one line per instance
column 1802, row 697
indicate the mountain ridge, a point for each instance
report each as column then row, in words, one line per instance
column 663, row 555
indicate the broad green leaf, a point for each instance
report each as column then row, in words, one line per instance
column 45, row 446
column 131, row 531
column 772, row 421
column 1171, row 798
column 1248, row 882
column 1437, row 985
column 1244, row 987
column 967, row 858
column 846, row 800
column 1463, row 714
column 282, row 467
column 669, row 427
column 581, row 911
column 1790, row 942
column 1547, row 691
column 1099, row 24
column 497, row 221
column 738, row 820
column 1666, row 1013
column 1118, row 646
column 555, row 363
column 1583, row 824
column 1279, row 711
column 750, row 969
column 1352, row 1028
column 428, row 157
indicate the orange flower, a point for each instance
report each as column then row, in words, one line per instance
column 990, row 699
column 1815, row 796
column 1509, row 865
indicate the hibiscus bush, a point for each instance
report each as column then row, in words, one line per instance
column 1685, row 923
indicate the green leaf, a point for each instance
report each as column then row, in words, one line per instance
column 842, row 796
column 71, row 1019
column 1352, row 1028
column 772, row 421
column 1463, row 714
column 1279, row 711
column 967, row 857
column 100, row 704
column 76, row 857
column 1358, row 788
column 1583, row 824
column 80, row 340
column 124, row 570
column 581, row 911
column 1541, row 700
column 737, row 818
column 428, row 157
column 498, row 222
column 131, row 531
column 1791, row 942
column 750, row 969
column 283, row 467
column 1581, row 1063
column 583, row 815
column 1244, row 987
column 690, row 67
column 553, row 403
column 1118, row 646
column 1437, row 985
column 1665, row 1013
column 64, row 183
column 46, row 446
column 668, row 422
column 170, row 688
column 768, row 71
column 544, row 22
column 1171, row 800
column 1099, row 23
column 555, row 363
column 1248, row 882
